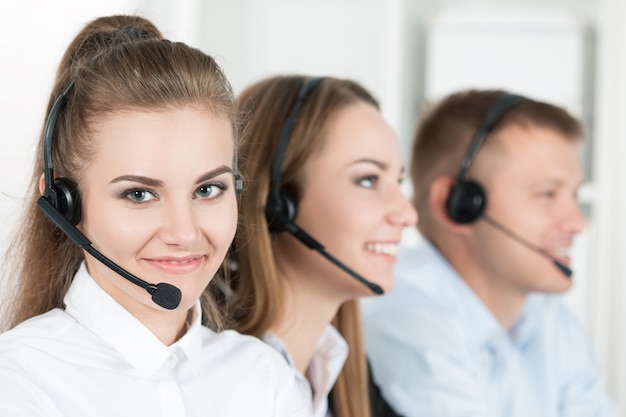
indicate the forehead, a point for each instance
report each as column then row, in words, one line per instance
column 528, row 153
column 358, row 131
column 159, row 139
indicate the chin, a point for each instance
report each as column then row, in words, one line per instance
column 558, row 284
column 384, row 282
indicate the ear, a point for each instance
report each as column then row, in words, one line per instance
column 438, row 196
column 42, row 183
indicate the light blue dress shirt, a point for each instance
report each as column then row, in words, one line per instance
column 436, row 350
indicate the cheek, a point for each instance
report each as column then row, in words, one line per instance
column 338, row 222
column 524, row 216
column 219, row 223
column 116, row 230
column 535, row 223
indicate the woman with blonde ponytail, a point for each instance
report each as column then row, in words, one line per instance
column 131, row 212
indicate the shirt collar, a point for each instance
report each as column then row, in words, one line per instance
column 95, row 309
column 326, row 363
column 526, row 327
column 330, row 355
column 191, row 342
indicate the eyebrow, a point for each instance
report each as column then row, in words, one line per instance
column 152, row 182
column 214, row 173
column 381, row 165
column 554, row 183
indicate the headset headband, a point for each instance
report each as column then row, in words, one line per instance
column 303, row 94
column 497, row 111
column 48, row 170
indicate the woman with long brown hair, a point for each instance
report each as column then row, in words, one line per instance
column 322, row 214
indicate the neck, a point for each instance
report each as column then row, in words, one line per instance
column 168, row 326
column 505, row 304
column 306, row 315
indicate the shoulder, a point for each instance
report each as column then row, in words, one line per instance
column 569, row 354
column 26, row 349
column 231, row 342
column 47, row 331
column 562, row 334
column 248, row 355
column 257, row 367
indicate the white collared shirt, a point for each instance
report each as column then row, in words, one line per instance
column 437, row 351
column 95, row 359
column 328, row 359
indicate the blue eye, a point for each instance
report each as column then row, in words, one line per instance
column 209, row 191
column 138, row 195
column 368, row 181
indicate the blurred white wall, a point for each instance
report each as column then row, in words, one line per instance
column 33, row 37
column 380, row 43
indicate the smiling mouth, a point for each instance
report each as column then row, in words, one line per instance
column 561, row 254
column 177, row 265
column 379, row 248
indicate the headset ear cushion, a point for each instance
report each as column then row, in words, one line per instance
column 67, row 199
column 466, row 202
column 238, row 184
column 280, row 211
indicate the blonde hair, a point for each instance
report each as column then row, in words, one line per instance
column 116, row 63
column 258, row 292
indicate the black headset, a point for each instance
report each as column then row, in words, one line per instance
column 62, row 193
column 281, row 207
column 467, row 199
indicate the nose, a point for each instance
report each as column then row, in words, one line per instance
column 573, row 218
column 402, row 212
column 179, row 226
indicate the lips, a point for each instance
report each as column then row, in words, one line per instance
column 561, row 255
column 565, row 260
column 176, row 265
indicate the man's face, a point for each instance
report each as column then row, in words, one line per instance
column 531, row 176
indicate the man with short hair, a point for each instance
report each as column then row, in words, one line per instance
column 475, row 326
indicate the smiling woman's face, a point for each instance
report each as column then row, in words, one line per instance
column 351, row 202
column 158, row 199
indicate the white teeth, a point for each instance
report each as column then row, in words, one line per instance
column 179, row 262
column 382, row 248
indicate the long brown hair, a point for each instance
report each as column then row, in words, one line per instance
column 116, row 63
column 258, row 292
